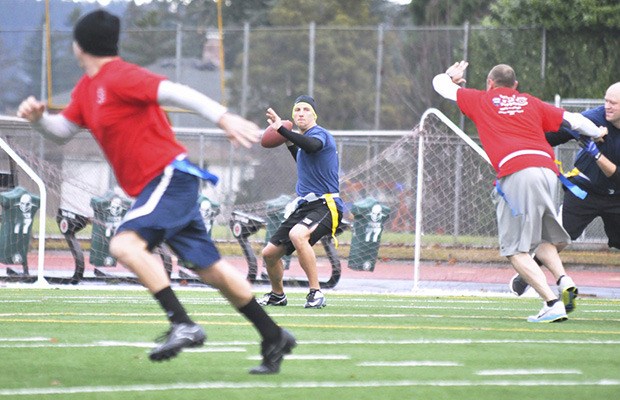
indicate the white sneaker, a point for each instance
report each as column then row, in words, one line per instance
column 315, row 299
column 568, row 293
column 555, row 313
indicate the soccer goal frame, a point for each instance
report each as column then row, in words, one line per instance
column 41, row 281
column 420, row 180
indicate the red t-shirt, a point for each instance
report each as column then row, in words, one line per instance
column 119, row 106
column 509, row 122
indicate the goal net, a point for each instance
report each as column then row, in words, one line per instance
column 447, row 213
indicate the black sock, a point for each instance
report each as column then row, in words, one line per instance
column 550, row 303
column 170, row 303
column 266, row 326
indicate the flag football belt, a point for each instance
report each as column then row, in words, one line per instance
column 181, row 163
column 312, row 199
column 574, row 189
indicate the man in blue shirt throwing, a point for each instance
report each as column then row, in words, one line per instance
column 316, row 211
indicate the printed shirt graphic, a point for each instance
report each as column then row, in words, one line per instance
column 119, row 106
column 509, row 121
column 510, row 105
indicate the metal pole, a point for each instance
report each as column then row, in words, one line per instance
column 48, row 46
column 465, row 56
column 458, row 160
column 177, row 53
column 44, row 55
column 378, row 76
column 43, row 93
column 311, row 39
column 177, row 64
column 543, row 54
column 244, row 71
column 220, row 30
column 418, row 206
column 458, row 171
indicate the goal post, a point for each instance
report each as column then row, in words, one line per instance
column 43, row 201
column 420, row 180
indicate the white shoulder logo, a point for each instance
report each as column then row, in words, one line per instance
column 100, row 95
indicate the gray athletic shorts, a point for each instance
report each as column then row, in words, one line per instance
column 526, row 212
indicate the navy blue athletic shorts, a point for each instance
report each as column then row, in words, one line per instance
column 167, row 211
column 577, row 214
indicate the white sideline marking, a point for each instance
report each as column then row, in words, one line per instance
column 309, row 357
column 210, row 348
column 296, row 385
column 206, row 349
column 25, row 339
column 20, row 301
column 321, row 316
column 457, row 341
column 540, row 371
column 47, row 342
column 196, row 314
column 409, row 364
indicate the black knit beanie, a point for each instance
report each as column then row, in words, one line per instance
column 304, row 98
column 97, row 33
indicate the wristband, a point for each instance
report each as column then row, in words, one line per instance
column 596, row 157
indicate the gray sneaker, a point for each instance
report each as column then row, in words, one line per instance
column 518, row 285
column 178, row 337
column 315, row 299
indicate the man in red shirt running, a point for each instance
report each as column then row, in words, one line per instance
column 512, row 127
column 120, row 103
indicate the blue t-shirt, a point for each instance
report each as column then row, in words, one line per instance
column 318, row 172
column 610, row 147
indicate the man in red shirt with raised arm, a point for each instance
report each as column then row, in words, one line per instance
column 512, row 127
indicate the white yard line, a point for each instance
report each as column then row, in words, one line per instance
column 309, row 357
column 409, row 364
column 538, row 371
column 25, row 339
column 62, row 391
column 48, row 342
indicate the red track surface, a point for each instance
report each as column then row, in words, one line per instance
column 392, row 270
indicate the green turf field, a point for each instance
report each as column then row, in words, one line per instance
column 93, row 344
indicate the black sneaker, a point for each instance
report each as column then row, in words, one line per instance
column 518, row 285
column 272, row 299
column 178, row 337
column 273, row 354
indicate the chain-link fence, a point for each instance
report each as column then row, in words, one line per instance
column 372, row 84
column 367, row 77
column 378, row 185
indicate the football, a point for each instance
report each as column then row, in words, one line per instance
column 271, row 138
